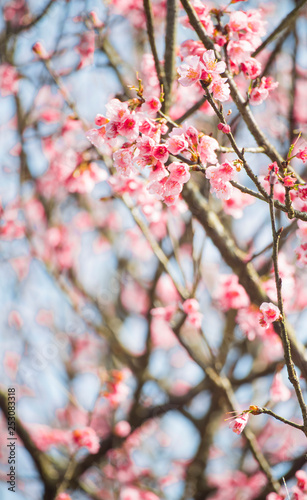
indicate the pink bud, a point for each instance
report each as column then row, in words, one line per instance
column 40, row 50
column 95, row 20
column 122, row 428
column 224, row 128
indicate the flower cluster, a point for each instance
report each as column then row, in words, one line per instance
column 207, row 69
column 145, row 148
column 244, row 32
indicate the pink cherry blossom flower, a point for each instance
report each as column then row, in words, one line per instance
column 160, row 152
column 151, row 105
column 176, row 143
column 129, row 127
column 251, row 68
column 220, row 89
column 145, row 145
column 179, row 172
column 258, row 95
column 116, row 389
column 117, row 110
column 123, row 162
column 191, row 133
column 219, row 176
column 97, row 137
column 239, row 50
column 302, row 154
column 238, row 424
column 171, row 199
column 212, row 66
column 255, row 24
column 190, row 71
column 207, row 146
column 270, row 313
column 289, row 181
column 158, row 172
column 86, row 438
column 268, row 83
column 100, row 120
column 171, row 186
column 238, row 21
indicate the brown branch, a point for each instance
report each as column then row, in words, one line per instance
column 170, row 51
column 151, row 37
column 236, row 259
column 292, row 375
column 222, row 384
column 285, row 23
column 281, row 419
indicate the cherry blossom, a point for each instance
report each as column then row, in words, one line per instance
column 190, row 71
column 238, row 424
column 212, row 66
column 270, row 313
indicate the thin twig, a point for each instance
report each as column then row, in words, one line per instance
column 170, row 51
column 292, row 375
column 282, row 419
column 151, row 37
column 285, row 23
